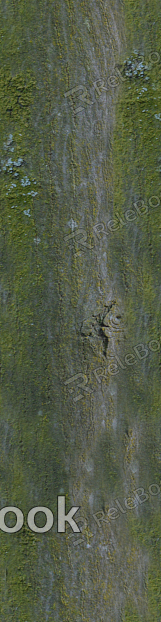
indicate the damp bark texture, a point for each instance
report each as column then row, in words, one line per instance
column 80, row 95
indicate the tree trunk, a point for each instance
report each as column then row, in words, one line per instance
column 80, row 308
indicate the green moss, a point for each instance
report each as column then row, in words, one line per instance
column 42, row 284
column 135, row 251
column 131, row 614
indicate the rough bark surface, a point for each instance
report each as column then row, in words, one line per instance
column 80, row 290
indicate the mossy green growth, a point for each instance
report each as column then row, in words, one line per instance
column 135, row 251
column 16, row 93
column 32, row 462
column 130, row 613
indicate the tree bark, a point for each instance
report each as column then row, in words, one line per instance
column 80, row 307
